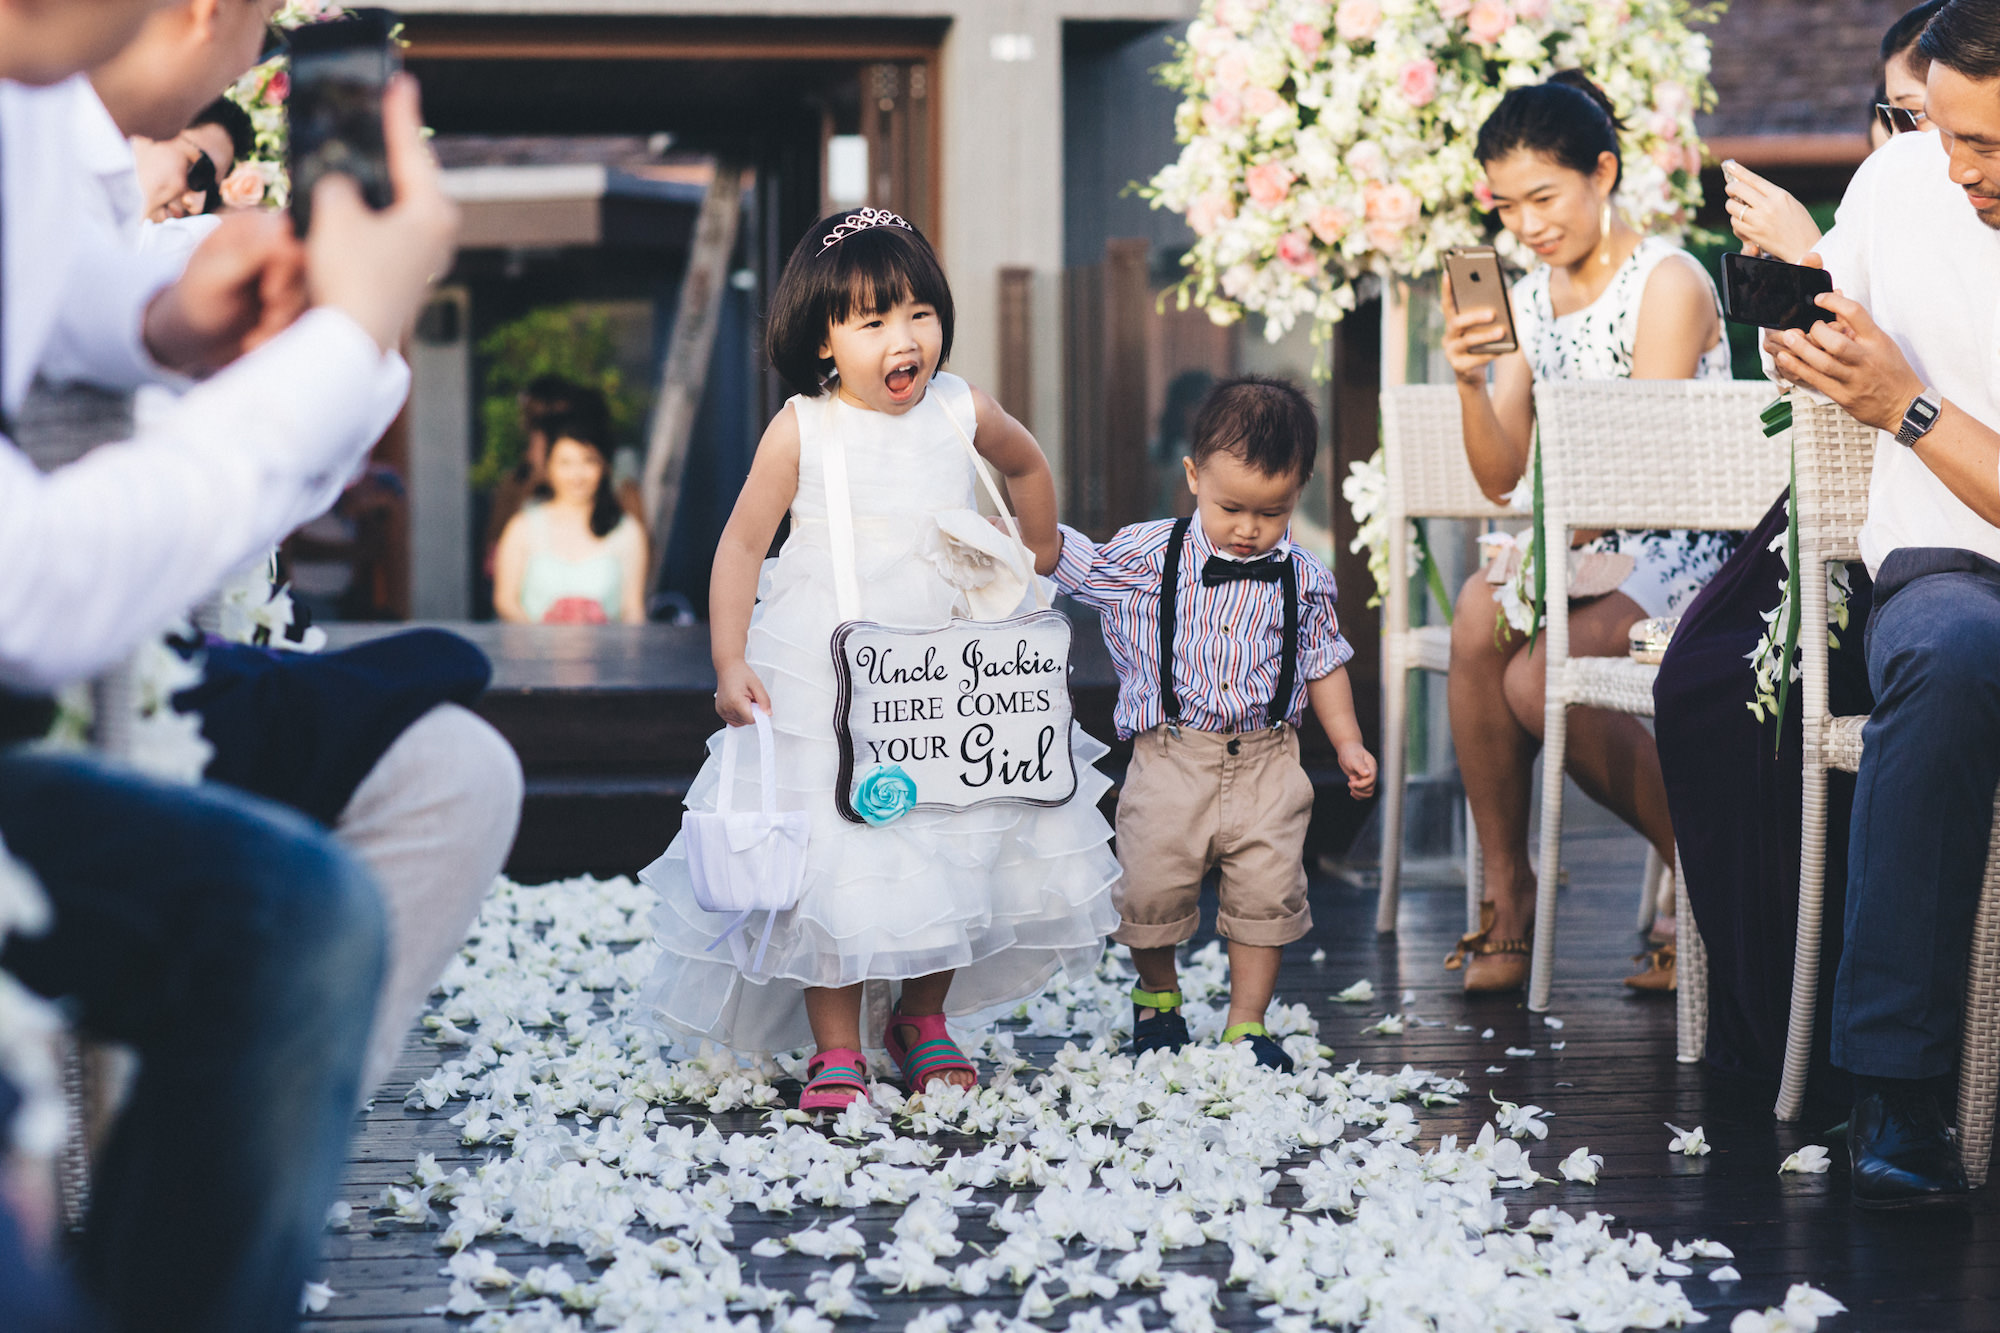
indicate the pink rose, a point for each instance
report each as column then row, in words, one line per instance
column 1452, row 9
column 1295, row 251
column 1224, row 111
column 1482, row 194
column 1419, row 81
column 1210, row 211
column 279, row 87
column 1531, row 11
column 1308, row 38
column 1357, row 20
column 243, row 187
column 1667, row 157
column 1268, row 184
column 1663, row 126
column 1390, row 205
column 1488, row 20
column 1261, row 102
column 1671, row 98
column 1330, row 224
column 1232, row 72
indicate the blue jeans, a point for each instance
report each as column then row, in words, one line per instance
column 239, row 951
column 1923, row 808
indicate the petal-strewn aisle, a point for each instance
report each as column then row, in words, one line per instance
column 595, row 1185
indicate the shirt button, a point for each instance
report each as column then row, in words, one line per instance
column 1225, row 685
column 1225, row 629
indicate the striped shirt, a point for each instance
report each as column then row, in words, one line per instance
column 1229, row 638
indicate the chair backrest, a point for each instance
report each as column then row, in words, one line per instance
column 1423, row 456
column 1658, row 454
column 1836, row 458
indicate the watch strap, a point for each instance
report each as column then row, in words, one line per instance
column 1922, row 414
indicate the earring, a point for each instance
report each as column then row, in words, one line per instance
column 1604, row 234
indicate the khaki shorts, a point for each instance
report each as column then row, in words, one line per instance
column 1201, row 800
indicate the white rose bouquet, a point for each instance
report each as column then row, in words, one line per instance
column 1324, row 141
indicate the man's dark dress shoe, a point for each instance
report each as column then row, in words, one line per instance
column 1903, row 1155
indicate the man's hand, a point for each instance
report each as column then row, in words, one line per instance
column 243, row 285
column 1850, row 360
column 378, row 267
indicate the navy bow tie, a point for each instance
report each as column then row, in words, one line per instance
column 1270, row 569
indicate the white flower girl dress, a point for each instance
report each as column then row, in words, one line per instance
column 1007, row 895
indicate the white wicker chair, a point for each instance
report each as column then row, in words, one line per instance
column 1836, row 457
column 1423, row 456
column 1635, row 454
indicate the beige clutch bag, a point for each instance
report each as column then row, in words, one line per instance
column 1591, row 573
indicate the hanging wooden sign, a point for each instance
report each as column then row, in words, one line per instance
column 971, row 714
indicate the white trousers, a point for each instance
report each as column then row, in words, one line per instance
column 434, row 820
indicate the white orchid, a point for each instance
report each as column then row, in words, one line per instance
column 1388, row 1025
column 1805, row 1305
column 1691, row 1142
column 1361, row 992
column 1520, row 1121
column 1725, row 1273
column 315, row 1297
column 1581, row 1166
column 1810, row 1160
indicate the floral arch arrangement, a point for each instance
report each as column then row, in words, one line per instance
column 1323, row 142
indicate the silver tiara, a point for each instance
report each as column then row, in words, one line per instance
column 859, row 222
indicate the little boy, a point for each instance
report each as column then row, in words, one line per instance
column 1222, row 632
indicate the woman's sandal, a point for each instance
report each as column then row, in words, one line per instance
column 1166, row 1030
column 931, row 1056
column 1259, row 1039
column 835, row 1079
column 1491, row 966
column 1660, row 969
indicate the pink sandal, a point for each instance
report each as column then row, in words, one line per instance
column 933, row 1055
column 836, row 1078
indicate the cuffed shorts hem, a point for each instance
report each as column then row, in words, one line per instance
column 1144, row 935
column 1266, row 932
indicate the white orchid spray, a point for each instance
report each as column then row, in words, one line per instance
column 1810, row 1160
column 1691, row 1142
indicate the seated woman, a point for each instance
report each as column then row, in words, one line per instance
column 576, row 557
column 1607, row 303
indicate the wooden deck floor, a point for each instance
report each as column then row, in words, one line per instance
column 1611, row 1087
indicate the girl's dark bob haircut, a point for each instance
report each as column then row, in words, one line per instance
column 865, row 272
column 589, row 430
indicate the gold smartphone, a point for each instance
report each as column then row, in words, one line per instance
column 1477, row 280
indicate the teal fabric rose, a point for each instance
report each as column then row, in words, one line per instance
column 885, row 793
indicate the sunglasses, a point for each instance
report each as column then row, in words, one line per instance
column 201, row 177
column 1896, row 120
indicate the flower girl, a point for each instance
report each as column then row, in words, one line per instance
column 968, row 910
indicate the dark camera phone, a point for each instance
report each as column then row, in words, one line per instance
column 1772, row 294
column 339, row 73
column 1477, row 280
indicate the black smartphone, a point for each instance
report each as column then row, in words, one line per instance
column 339, row 73
column 1772, row 294
column 1477, row 280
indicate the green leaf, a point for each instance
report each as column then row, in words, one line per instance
column 1428, row 563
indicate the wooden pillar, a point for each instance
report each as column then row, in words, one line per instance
column 1017, row 349
column 1128, row 308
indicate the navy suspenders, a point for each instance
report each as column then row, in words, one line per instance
column 1170, row 595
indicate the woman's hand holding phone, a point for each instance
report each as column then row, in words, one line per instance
column 1768, row 220
column 1465, row 330
column 378, row 267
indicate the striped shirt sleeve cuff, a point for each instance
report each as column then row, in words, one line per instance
column 1075, row 563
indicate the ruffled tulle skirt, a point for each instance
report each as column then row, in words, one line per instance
column 1004, row 896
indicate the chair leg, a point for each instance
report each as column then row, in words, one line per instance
column 1555, row 751
column 1649, row 889
column 1475, row 872
column 1805, row 959
column 1979, row 1052
column 1691, row 980
column 1395, row 747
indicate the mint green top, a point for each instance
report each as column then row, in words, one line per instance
column 550, row 578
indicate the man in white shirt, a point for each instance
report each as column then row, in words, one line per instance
column 235, row 945
column 432, row 812
column 1911, row 350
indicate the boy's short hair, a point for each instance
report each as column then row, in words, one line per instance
column 865, row 272
column 1262, row 420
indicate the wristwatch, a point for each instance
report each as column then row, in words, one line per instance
column 1921, row 415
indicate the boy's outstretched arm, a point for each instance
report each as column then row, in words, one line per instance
column 1332, row 699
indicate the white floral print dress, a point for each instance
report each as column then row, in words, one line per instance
column 1595, row 343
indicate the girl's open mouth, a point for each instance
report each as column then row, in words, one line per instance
column 902, row 381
